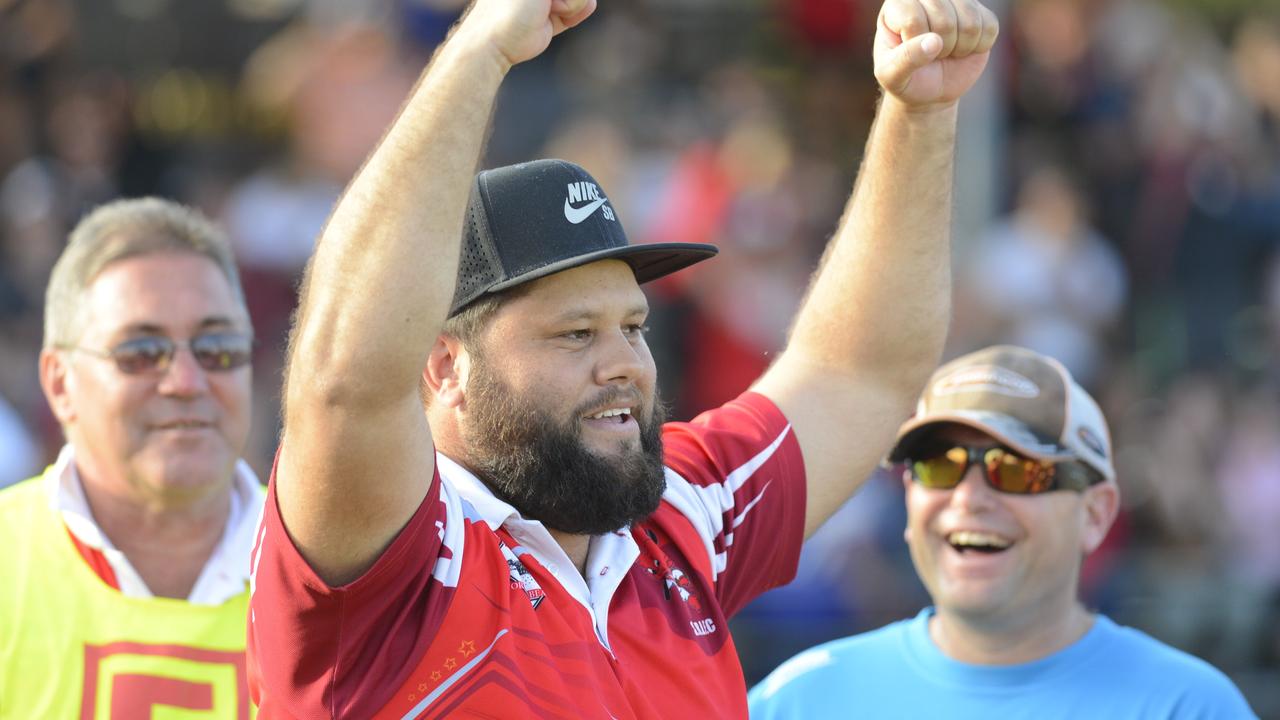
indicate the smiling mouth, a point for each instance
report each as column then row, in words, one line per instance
column 183, row 425
column 617, row 416
column 966, row 541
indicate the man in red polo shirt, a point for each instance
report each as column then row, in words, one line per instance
column 539, row 543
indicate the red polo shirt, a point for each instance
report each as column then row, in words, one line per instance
column 474, row 611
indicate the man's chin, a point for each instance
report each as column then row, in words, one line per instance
column 191, row 472
column 580, row 525
column 614, row 450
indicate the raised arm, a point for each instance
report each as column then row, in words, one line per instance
column 875, row 319
column 356, row 456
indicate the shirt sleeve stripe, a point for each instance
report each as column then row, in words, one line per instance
column 739, row 477
column 707, row 505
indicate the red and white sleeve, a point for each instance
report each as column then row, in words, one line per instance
column 737, row 474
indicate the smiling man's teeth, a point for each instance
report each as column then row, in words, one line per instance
column 610, row 413
column 969, row 538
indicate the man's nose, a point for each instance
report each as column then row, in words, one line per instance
column 621, row 359
column 183, row 376
column 973, row 492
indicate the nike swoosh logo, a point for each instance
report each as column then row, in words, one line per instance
column 577, row 215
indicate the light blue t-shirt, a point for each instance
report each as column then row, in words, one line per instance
column 898, row 672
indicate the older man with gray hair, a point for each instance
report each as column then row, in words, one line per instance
column 126, row 564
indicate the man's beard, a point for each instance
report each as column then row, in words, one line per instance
column 538, row 464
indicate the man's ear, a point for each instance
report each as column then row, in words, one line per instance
column 448, row 367
column 55, row 382
column 1101, row 505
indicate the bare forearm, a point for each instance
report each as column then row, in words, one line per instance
column 382, row 278
column 881, row 301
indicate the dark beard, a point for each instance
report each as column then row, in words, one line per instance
column 538, row 464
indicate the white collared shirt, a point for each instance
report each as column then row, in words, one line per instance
column 224, row 575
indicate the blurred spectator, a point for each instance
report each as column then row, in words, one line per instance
column 1183, row 439
column 134, row 546
column 337, row 87
column 740, row 307
column 740, row 192
column 1044, row 279
column 1249, row 477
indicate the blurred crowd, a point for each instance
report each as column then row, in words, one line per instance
column 1125, row 182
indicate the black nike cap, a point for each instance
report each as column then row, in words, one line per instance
column 530, row 220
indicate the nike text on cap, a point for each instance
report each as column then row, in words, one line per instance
column 1025, row 400
column 537, row 218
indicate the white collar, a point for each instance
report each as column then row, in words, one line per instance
column 225, row 574
column 494, row 511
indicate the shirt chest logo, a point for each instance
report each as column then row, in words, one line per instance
column 675, row 582
column 520, row 578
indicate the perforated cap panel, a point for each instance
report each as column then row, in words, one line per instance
column 479, row 267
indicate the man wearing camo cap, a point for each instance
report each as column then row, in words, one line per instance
column 1010, row 483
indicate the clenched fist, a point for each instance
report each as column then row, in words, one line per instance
column 928, row 53
column 520, row 30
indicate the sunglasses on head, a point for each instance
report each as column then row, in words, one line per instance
column 215, row 352
column 1005, row 470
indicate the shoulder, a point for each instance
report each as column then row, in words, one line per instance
column 1133, row 644
column 25, row 531
column 732, row 442
column 18, row 499
column 751, row 418
column 835, row 663
column 1201, row 684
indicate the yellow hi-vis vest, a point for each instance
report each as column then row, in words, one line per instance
column 73, row 647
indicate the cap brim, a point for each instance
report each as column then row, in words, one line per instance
column 649, row 262
column 1006, row 430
